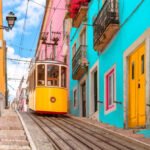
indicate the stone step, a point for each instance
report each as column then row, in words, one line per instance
column 10, row 127
column 14, row 142
column 10, row 123
column 12, row 132
column 9, row 113
column 14, row 147
column 12, row 137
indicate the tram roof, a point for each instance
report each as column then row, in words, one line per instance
column 50, row 61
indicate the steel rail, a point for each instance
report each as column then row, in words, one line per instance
column 101, row 136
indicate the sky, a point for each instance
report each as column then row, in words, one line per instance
column 22, row 39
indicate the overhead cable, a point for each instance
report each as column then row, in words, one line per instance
column 54, row 8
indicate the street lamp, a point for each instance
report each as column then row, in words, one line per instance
column 11, row 18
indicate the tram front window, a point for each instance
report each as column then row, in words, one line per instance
column 41, row 75
column 52, row 75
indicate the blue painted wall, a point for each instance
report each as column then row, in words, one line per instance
column 92, row 56
column 134, row 21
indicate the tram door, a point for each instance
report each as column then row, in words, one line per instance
column 137, row 104
column 83, row 88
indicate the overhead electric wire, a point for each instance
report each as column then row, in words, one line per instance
column 16, row 79
column 38, row 32
column 24, row 25
column 23, row 30
column 11, row 87
column 53, row 14
column 23, row 48
column 21, row 60
column 53, row 8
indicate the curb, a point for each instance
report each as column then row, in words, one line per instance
column 129, row 139
column 33, row 147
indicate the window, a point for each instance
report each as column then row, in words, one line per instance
column 83, row 37
column 133, row 70
column 34, row 79
column 110, row 89
column 63, row 77
column 75, row 97
column 41, row 75
column 73, row 50
column 142, row 65
column 52, row 75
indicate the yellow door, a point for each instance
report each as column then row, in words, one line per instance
column 136, row 104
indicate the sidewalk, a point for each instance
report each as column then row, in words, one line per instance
column 130, row 134
column 12, row 134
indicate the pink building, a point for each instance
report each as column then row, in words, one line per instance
column 21, row 96
column 54, row 30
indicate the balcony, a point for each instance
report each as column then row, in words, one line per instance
column 106, row 24
column 77, row 10
column 80, row 16
column 79, row 63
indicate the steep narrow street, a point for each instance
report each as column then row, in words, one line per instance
column 63, row 132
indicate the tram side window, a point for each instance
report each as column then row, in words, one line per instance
column 41, row 75
column 34, row 80
column 52, row 75
column 63, row 77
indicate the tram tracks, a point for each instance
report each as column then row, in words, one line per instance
column 100, row 134
column 71, row 134
column 46, row 131
column 59, row 140
column 97, row 139
column 93, row 142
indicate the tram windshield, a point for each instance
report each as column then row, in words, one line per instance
column 41, row 75
column 52, row 75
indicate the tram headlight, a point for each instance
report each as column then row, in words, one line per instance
column 53, row 99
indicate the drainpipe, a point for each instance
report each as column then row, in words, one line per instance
column 6, row 89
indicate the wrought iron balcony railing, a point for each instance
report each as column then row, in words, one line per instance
column 106, row 24
column 79, row 63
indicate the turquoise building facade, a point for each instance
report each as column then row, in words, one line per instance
column 111, row 64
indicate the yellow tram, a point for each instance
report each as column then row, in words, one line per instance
column 48, row 91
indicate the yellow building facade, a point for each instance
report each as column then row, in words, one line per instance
column 2, row 54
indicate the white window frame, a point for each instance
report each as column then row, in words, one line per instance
column 75, row 89
column 91, row 94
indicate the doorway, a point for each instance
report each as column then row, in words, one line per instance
column 137, row 86
column 83, row 95
column 95, row 88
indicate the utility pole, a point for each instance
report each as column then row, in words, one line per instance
column 6, row 88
